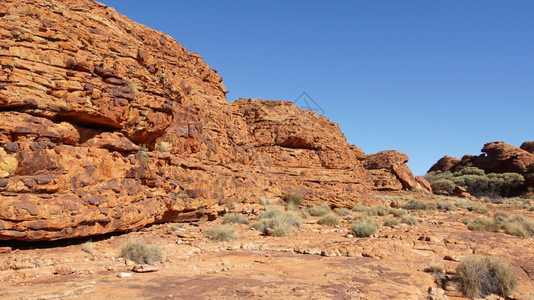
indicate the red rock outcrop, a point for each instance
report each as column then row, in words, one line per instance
column 498, row 157
column 388, row 170
column 107, row 125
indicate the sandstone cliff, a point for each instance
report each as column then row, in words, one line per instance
column 107, row 125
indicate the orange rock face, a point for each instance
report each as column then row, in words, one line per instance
column 107, row 125
column 389, row 171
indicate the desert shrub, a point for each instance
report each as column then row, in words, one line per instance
column 364, row 228
column 469, row 171
column 478, row 208
column 234, row 218
column 343, row 212
column 419, row 205
column 140, row 252
column 409, row 220
column 223, row 233
column 293, row 200
column 270, row 213
column 446, row 206
column 377, row 211
column 443, row 186
column 438, row 175
column 515, row 225
column 391, row 222
column 280, row 223
column 318, row 211
column 397, row 212
column 483, row 224
column 329, row 220
column 359, row 207
column 483, row 276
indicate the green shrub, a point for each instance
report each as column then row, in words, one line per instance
column 443, row 186
column 318, row 211
column 476, row 182
column 469, row 171
column 223, row 233
column 343, row 212
column 329, row 220
column 483, row 276
column 234, row 218
column 390, row 222
column 140, row 252
column 364, row 228
column 438, row 175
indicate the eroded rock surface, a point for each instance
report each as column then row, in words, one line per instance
column 107, row 125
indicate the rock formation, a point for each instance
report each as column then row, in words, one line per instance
column 107, row 125
column 497, row 157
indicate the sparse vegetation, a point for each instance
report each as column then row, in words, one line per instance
column 234, row 218
column 391, row 222
column 329, row 220
column 223, row 233
column 363, row 227
column 483, row 276
column 420, row 205
column 141, row 253
column 318, row 211
column 446, row 206
column 478, row 208
column 293, row 200
column 360, row 207
column 409, row 220
column 343, row 212
column 515, row 225
column 397, row 212
column 272, row 103
column 482, row 224
column 281, row 223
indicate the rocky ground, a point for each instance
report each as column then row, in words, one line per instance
column 313, row 262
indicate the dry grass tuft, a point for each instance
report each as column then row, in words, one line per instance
column 483, row 276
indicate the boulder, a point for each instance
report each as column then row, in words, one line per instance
column 387, row 163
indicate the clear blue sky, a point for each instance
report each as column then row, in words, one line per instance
column 428, row 78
